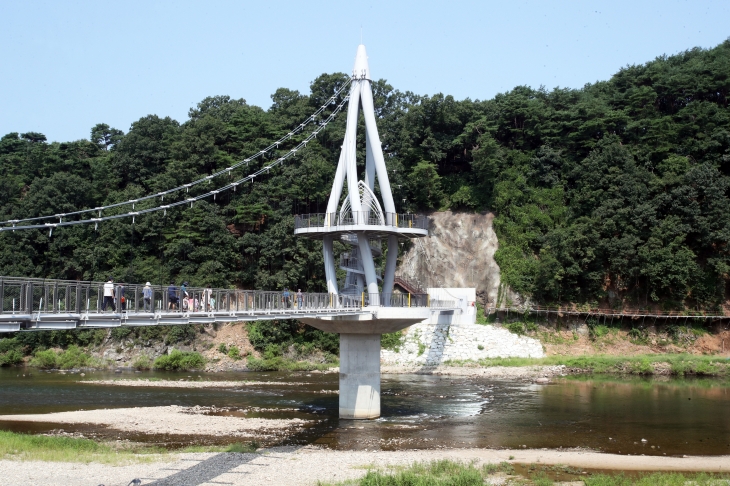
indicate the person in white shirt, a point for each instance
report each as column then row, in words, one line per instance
column 147, row 296
column 109, row 295
column 207, row 295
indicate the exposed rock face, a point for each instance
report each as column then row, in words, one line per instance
column 458, row 253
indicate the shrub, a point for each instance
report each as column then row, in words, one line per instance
column 121, row 332
column 6, row 344
column 181, row 333
column 73, row 357
column 287, row 332
column 44, row 359
column 11, row 357
column 642, row 367
column 272, row 351
column 179, row 360
column 638, row 336
column 281, row 364
column 516, row 328
column 392, row 341
column 142, row 362
column 234, row 353
column 597, row 332
column 222, row 348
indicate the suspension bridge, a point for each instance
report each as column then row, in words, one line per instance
column 47, row 305
column 359, row 308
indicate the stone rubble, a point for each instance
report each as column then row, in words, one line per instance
column 432, row 344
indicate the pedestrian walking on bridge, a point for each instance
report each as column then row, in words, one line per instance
column 172, row 297
column 109, row 295
column 147, row 296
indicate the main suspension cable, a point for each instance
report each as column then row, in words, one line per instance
column 191, row 200
column 228, row 170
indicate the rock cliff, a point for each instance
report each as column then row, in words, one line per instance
column 459, row 252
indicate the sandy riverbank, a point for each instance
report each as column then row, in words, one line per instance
column 190, row 383
column 169, row 420
column 476, row 371
column 307, row 465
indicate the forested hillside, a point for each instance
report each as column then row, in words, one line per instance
column 620, row 186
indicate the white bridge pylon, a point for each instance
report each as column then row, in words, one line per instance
column 359, row 219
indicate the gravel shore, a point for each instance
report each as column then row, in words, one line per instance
column 170, row 420
column 189, row 383
column 307, row 465
column 476, row 371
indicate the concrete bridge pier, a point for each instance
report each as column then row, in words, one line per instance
column 359, row 376
column 360, row 353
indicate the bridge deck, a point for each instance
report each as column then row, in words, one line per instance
column 59, row 321
column 43, row 304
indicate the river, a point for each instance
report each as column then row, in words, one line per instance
column 674, row 416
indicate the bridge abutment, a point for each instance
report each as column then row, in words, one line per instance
column 359, row 376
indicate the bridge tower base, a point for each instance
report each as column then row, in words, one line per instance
column 359, row 376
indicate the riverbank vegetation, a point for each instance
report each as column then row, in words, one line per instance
column 179, row 361
column 616, row 193
column 26, row 447
column 291, row 346
column 651, row 364
column 454, row 473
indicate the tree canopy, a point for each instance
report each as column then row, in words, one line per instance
column 620, row 186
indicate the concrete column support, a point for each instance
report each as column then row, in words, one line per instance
column 359, row 376
column 390, row 264
column 368, row 264
column 329, row 265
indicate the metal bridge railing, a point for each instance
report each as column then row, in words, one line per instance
column 396, row 220
column 589, row 310
column 45, row 296
column 396, row 300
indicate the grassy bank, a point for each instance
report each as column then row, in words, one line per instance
column 648, row 364
column 451, row 473
column 279, row 363
column 26, row 447
column 68, row 449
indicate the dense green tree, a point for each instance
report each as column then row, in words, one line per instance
column 620, row 186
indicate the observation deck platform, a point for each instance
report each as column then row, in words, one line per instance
column 319, row 225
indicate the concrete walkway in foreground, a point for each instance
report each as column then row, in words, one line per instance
column 307, row 465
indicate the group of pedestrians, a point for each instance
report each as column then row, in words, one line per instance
column 183, row 300
column 177, row 299
column 113, row 295
column 286, row 298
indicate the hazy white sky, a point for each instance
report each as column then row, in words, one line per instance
column 66, row 66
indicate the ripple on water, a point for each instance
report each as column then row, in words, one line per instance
column 420, row 411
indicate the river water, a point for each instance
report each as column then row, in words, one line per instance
column 674, row 416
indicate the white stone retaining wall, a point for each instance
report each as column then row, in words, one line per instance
column 444, row 338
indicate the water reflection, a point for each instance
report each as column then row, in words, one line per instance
column 677, row 416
